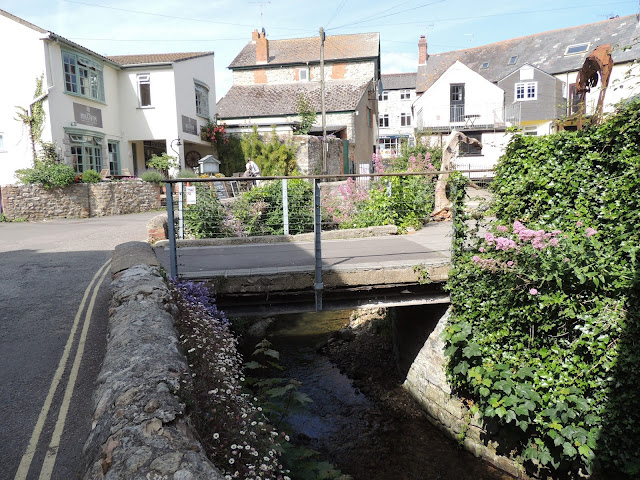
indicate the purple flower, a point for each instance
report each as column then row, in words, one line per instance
column 503, row 243
column 591, row 231
column 476, row 258
column 489, row 238
column 482, row 250
column 533, row 291
column 502, row 228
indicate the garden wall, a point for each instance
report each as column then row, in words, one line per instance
column 427, row 383
column 82, row 200
column 309, row 154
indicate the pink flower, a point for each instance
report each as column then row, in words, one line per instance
column 510, row 263
column 503, row 243
column 475, row 258
column 489, row 238
column 590, row 232
column 578, row 223
column 482, row 250
column 502, row 228
column 566, row 259
column 533, row 291
column 554, row 242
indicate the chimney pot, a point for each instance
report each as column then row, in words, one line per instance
column 255, row 35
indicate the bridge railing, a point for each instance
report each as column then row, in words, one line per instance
column 233, row 207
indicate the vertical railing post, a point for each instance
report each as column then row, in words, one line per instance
column 318, row 243
column 180, row 210
column 285, row 207
column 173, row 254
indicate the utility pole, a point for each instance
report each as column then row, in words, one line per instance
column 324, row 112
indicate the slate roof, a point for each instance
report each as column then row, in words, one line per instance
column 398, row 81
column 303, row 50
column 545, row 51
column 155, row 58
column 276, row 100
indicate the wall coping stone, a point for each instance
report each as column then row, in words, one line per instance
column 139, row 426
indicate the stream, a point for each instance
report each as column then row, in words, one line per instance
column 380, row 435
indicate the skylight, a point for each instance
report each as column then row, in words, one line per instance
column 485, row 65
column 577, row 48
column 513, row 60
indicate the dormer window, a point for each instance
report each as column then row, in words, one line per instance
column 577, row 48
column 484, row 66
column 513, row 60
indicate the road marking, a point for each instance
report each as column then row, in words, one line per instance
column 27, row 458
column 52, row 451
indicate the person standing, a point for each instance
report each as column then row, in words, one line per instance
column 252, row 170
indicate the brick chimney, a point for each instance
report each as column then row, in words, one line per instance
column 422, row 50
column 255, row 35
column 262, row 48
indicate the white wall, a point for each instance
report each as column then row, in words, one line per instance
column 394, row 107
column 481, row 98
column 17, row 87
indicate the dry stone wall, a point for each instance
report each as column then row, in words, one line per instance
column 33, row 202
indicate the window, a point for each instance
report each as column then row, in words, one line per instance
column 113, row 148
column 383, row 121
column 526, row 91
column 405, row 94
column 86, row 152
column 531, row 130
column 83, row 76
column 573, row 100
column 405, row 119
column 384, row 95
column 144, row 90
column 484, row 65
column 303, row 74
column 456, row 94
column 466, row 150
column 513, row 60
column 577, row 48
column 202, row 100
column 387, row 145
column 1, row 142
column 369, row 117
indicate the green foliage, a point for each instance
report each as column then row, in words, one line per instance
column 274, row 157
column 205, row 219
column 49, row 152
column 231, row 155
column 3, row 217
column 153, row 176
column 48, row 174
column 187, row 173
column 162, row 162
column 260, row 210
column 34, row 117
column 90, row 176
column 307, row 115
column 543, row 335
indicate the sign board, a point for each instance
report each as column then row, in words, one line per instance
column 221, row 192
column 85, row 115
column 189, row 125
column 191, row 195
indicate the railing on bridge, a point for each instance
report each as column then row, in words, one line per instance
column 226, row 207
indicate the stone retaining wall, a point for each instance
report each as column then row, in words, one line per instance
column 82, row 200
column 140, row 430
column 427, row 383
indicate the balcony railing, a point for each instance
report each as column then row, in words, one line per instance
column 470, row 117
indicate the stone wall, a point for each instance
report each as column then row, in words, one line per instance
column 309, row 154
column 82, row 200
column 427, row 383
column 140, row 430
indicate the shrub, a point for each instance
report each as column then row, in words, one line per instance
column 162, row 162
column 205, row 219
column 48, row 174
column 543, row 337
column 153, row 176
column 187, row 173
column 91, row 176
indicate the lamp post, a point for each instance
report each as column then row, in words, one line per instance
column 178, row 143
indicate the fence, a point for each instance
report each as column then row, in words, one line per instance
column 283, row 206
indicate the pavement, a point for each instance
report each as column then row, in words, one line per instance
column 53, row 324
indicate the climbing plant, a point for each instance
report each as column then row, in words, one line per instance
column 307, row 115
column 543, row 335
column 33, row 117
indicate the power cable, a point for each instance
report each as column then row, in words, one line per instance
column 340, row 6
column 389, row 15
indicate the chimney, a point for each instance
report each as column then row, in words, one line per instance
column 422, row 50
column 262, row 48
column 255, row 35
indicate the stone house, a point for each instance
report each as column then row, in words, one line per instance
column 527, row 82
column 269, row 76
column 101, row 112
column 394, row 111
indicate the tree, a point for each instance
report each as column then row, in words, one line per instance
column 307, row 115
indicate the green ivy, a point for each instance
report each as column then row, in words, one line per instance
column 543, row 335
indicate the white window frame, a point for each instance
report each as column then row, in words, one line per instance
column 144, row 79
column 513, row 60
column 202, row 99
column 531, row 130
column 405, row 94
column 303, row 75
column 2, row 148
column 382, row 120
column 405, row 119
column 82, row 76
column 383, row 96
column 583, row 47
column 528, row 91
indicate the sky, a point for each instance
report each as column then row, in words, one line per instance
column 121, row 27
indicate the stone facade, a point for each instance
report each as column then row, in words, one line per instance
column 309, row 155
column 427, row 383
column 83, row 200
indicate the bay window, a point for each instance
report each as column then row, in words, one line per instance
column 83, row 76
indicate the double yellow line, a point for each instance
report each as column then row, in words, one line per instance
column 54, row 444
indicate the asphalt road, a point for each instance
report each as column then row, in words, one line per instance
column 54, row 293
